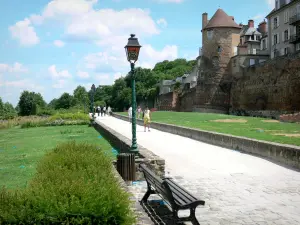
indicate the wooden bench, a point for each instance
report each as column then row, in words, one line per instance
column 176, row 197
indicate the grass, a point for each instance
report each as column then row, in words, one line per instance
column 21, row 149
column 254, row 127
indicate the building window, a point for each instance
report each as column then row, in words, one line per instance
column 286, row 35
column 235, row 50
column 234, row 63
column 257, row 38
column 264, row 46
column 209, row 34
column 298, row 47
column 219, row 49
column 275, row 39
column 254, row 51
column 286, row 16
column 275, row 22
column 286, row 51
column 252, row 62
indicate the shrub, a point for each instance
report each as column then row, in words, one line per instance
column 69, row 116
column 74, row 184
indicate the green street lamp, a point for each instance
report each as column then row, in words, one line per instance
column 93, row 88
column 132, row 52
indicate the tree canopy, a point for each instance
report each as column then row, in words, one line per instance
column 118, row 95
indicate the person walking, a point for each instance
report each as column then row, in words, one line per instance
column 139, row 110
column 98, row 110
column 101, row 109
column 147, row 119
column 130, row 113
column 104, row 110
column 109, row 110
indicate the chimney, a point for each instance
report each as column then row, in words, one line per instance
column 251, row 23
column 262, row 27
column 232, row 17
column 204, row 20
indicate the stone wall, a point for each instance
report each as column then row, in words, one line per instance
column 271, row 86
column 168, row 102
column 186, row 100
column 292, row 118
column 123, row 144
column 287, row 155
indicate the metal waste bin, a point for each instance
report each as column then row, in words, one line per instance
column 126, row 166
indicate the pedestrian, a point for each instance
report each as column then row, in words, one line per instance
column 104, row 110
column 98, row 110
column 139, row 110
column 130, row 113
column 101, row 109
column 109, row 110
column 147, row 119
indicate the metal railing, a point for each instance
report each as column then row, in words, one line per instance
column 294, row 19
column 295, row 38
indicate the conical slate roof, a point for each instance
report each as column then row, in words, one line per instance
column 221, row 19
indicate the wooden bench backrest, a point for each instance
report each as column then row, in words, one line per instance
column 158, row 184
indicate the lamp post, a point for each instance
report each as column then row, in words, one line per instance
column 93, row 88
column 132, row 52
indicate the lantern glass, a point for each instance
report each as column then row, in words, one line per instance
column 132, row 49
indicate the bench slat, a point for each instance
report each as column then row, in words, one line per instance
column 181, row 190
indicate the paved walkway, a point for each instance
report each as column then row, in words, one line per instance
column 238, row 188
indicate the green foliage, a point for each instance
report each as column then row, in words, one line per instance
column 65, row 101
column 74, row 184
column 70, row 116
column 29, row 103
column 7, row 111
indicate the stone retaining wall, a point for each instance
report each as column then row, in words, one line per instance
column 293, row 118
column 123, row 144
column 288, row 155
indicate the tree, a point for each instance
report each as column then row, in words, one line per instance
column 65, row 101
column 81, row 96
column 27, row 104
column 1, row 108
column 9, row 111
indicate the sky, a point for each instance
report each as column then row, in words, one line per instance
column 52, row 46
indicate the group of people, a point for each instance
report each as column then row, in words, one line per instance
column 145, row 116
column 103, row 110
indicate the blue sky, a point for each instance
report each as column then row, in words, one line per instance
column 52, row 46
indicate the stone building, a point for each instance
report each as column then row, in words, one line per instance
column 250, row 50
column 284, row 28
column 220, row 38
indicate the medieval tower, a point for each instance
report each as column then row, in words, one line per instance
column 220, row 38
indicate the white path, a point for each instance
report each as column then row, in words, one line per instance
column 238, row 188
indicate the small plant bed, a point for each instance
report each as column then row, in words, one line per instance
column 74, row 184
column 21, row 149
column 250, row 127
column 58, row 119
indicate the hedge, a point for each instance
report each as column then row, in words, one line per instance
column 74, row 184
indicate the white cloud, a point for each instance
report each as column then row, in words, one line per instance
column 59, row 84
column 58, row 74
column 115, row 61
column 83, row 23
column 83, row 75
column 24, row 84
column 24, row 33
column 162, row 22
column 59, row 43
column 271, row 4
column 15, row 68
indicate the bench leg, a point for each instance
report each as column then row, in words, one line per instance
column 193, row 217
column 147, row 194
column 175, row 216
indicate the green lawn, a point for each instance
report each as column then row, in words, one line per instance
column 253, row 127
column 20, row 149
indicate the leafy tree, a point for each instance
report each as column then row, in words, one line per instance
column 65, row 101
column 27, row 104
column 9, row 111
column 1, row 108
column 81, row 96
